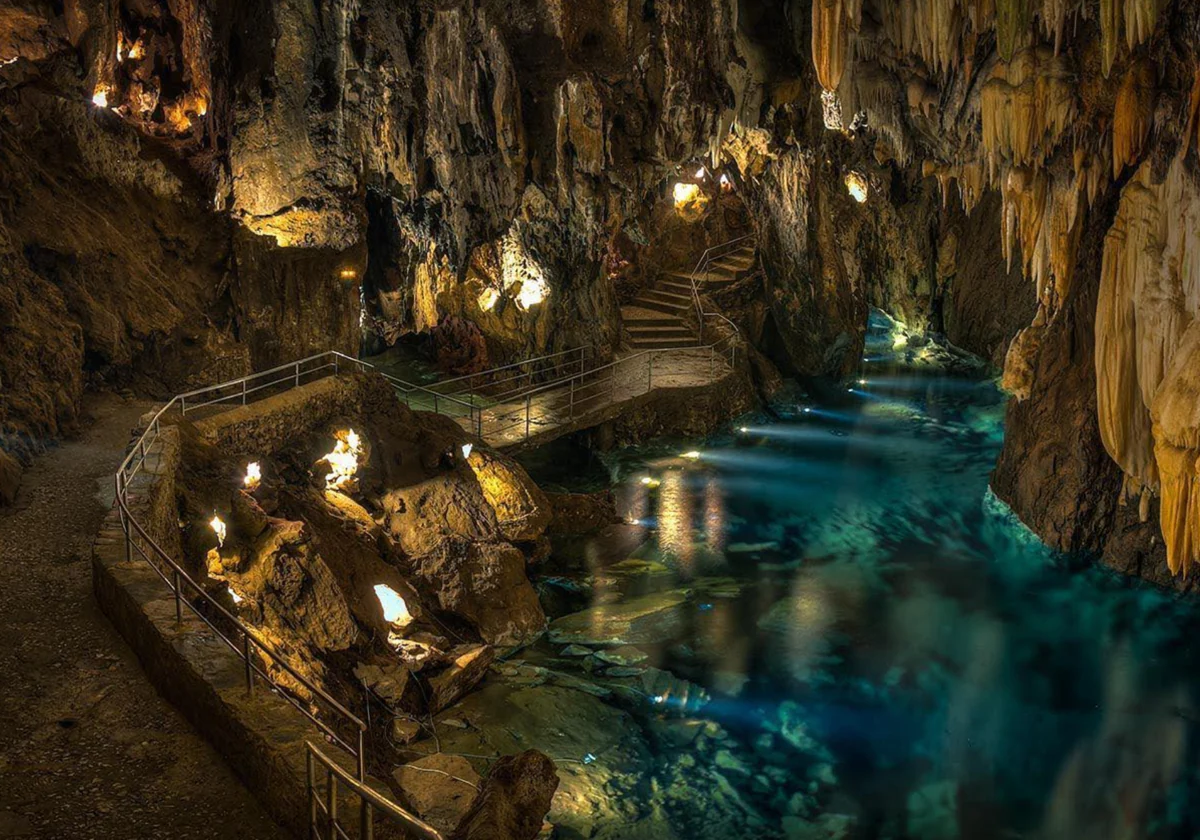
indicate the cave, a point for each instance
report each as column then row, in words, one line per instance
column 514, row 419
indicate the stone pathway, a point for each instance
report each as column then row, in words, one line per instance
column 88, row 749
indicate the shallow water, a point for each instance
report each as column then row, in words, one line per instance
column 884, row 650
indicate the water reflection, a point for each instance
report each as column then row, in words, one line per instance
column 888, row 653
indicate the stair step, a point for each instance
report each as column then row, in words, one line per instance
column 679, row 287
column 667, row 296
column 641, row 321
column 650, row 343
column 659, row 332
column 670, row 308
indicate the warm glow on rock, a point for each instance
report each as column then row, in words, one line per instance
column 253, row 475
column 395, row 611
column 100, row 97
column 343, row 460
column 856, row 185
column 520, row 273
column 488, row 299
column 237, row 599
column 348, row 274
column 218, row 528
column 701, row 173
column 685, row 193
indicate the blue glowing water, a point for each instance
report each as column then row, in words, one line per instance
column 887, row 651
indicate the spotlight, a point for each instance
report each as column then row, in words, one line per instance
column 744, row 429
column 253, row 476
column 807, row 410
column 237, row 599
column 466, row 450
column 862, row 382
column 693, row 455
column 219, row 529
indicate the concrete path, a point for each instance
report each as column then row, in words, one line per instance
column 88, row 749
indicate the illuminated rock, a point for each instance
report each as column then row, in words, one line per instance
column 522, row 510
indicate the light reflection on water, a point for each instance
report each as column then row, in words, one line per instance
column 966, row 681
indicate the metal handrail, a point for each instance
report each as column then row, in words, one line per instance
column 491, row 371
column 244, row 642
column 702, row 266
column 369, row 799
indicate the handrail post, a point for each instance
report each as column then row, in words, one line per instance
column 331, row 802
column 312, row 790
column 571, row 408
column 249, row 664
column 336, row 359
column 362, row 756
column 178, row 601
column 297, row 374
column 650, row 372
column 435, row 402
column 243, row 390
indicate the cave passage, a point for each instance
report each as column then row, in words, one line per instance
column 836, row 596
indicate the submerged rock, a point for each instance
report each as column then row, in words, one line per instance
column 656, row 617
column 623, row 655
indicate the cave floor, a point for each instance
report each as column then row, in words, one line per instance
column 88, row 749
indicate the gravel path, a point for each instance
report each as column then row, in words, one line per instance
column 88, row 749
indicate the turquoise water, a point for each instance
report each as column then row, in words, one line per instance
column 872, row 644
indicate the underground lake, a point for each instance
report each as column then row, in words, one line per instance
column 823, row 624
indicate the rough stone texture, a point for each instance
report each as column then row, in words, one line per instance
column 10, row 478
column 985, row 304
column 422, row 517
column 577, row 514
column 438, row 788
column 515, row 797
column 486, row 584
column 1052, row 470
column 467, row 668
column 522, row 509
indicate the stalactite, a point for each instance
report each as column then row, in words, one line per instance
column 830, row 41
column 1013, row 21
column 877, row 92
column 1132, row 115
column 930, row 29
column 1176, row 416
column 1147, row 360
column 1135, row 19
column 1026, row 106
column 969, row 177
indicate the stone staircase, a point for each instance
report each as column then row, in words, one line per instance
column 657, row 318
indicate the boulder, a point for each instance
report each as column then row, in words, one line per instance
column 514, row 800
column 468, row 667
column 485, row 584
column 285, row 579
column 10, row 478
column 392, row 684
column 422, row 516
column 438, row 788
column 522, row 510
column 577, row 514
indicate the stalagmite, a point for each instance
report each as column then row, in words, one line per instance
column 1132, row 115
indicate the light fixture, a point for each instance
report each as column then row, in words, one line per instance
column 343, row 460
column 345, row 273
column 685, row 193
column 856, row 185
column 219, row 529
column 693, row 455
column 700, row 173
column 237, row 599
column 650, row 481
column 466, row 449
column 862, row 382
column 807, row 410
column 253, row 476
column 395, row 611
column 744, row 429
column 100, row 97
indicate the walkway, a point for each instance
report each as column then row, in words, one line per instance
column 88, row 749
column 535, row 413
